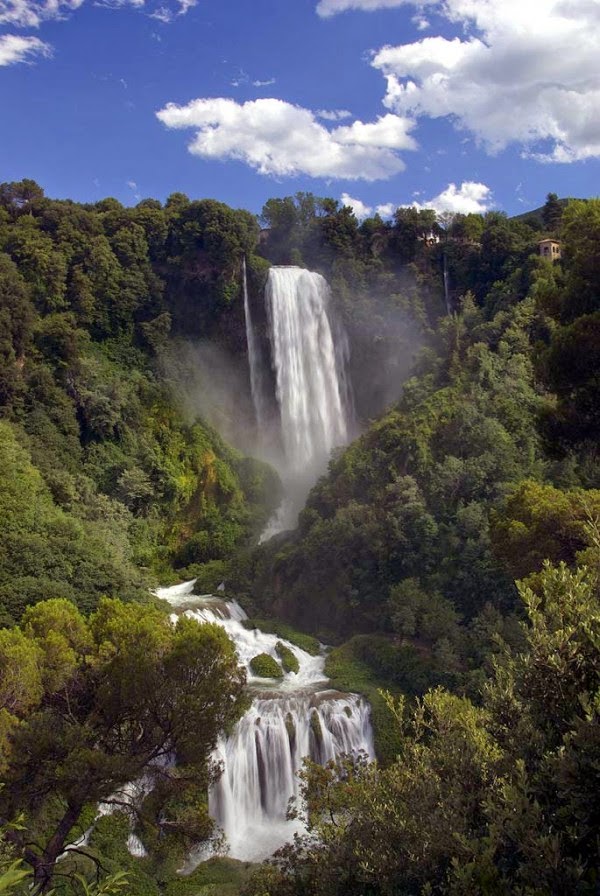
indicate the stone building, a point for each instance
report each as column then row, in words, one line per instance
column 550, row 249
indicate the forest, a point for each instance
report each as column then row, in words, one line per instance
column 450, row 554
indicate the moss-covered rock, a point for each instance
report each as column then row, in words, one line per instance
column 265, row 666
column 290, row 726
column 288, row 658
column 315, row 727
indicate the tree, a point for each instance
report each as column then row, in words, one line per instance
column 581, row 258
column 410, row 225
column 552, row 212
column 16, row 325
column 18, row 196
column 539, row 522
column 123, row 694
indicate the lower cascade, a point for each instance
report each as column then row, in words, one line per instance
column 290, row 718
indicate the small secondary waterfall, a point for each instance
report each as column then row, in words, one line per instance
column 289, row 719
column 257, row 376
column 446, row 284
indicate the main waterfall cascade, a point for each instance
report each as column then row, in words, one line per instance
column 309, row 359
column 289, row 719
column 310, row 367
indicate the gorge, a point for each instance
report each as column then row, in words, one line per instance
column 296, row 716
column 449, row 554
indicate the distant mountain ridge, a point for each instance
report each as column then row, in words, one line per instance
column 535, row 217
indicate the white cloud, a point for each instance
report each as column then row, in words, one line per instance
column 15, row 48
column 470, row 198
column 333, row 114
column 523, row 72
column 32, row 13
column 162, row 14
column 328, row 8
column 388, row 131
column 421, row 23
column 266, row 83
column 358, row 207
column 240, row 79
column 134, row 189
column 120, row 4
column 279, row 139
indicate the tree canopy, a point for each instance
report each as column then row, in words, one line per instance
column 89, row 706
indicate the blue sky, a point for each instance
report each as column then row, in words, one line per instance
column 460, row 104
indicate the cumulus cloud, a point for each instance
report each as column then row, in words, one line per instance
column 358, row 207
column 328, row 8
column 282, row 140
column 15, row 48
column 470, row 198
column 521, row 73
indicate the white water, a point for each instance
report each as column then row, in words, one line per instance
column 309, row 359
column 310, row 367
column 289, row 719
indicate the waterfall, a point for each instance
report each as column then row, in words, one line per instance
column 310, row 367
column 294, row 717
column 257, row 376
column 446, row 284
column 261, row 758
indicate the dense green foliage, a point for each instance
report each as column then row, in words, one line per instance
column 498, row 799
column 386, row 276
column 105, row 474
column 88, row 706
column 478, row 462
